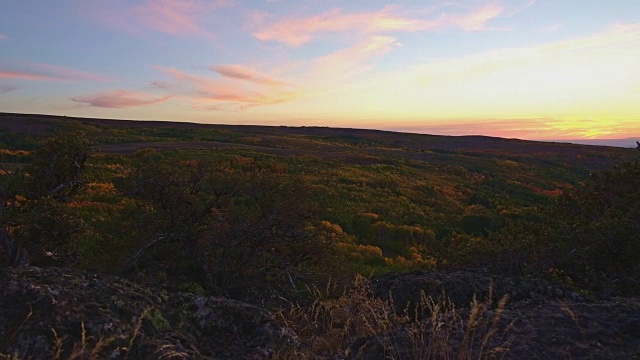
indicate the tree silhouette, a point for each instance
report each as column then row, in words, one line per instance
column 215, row 224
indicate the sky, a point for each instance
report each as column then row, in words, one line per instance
column 529, row 69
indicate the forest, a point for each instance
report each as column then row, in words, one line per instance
column 263, row 214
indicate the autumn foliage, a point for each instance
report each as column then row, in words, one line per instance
column 267, row 213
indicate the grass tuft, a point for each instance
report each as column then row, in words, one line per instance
column 356, row 321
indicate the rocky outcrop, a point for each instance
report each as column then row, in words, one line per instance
column 525, row 330
column 52, row 313
column 48, row 313
column 538, row 320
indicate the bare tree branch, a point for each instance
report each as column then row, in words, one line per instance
column 135, row 258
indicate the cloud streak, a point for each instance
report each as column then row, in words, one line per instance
column 46, row 72
column 172, row 17
column 345, row 63
column 241, row 72
column 177, row 17
column 7, row 88
column 232, row 93
column 20, row 75
column 241, row 87
column 299, row 31
column 119, row 99
column 476, row 20
column 521, row 8
column 560, row 64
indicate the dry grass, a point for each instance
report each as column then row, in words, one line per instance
column 91, row 348
column 84, row 349
column 329, row 328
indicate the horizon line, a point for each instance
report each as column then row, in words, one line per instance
column 588, row 142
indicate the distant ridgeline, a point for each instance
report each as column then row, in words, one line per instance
column 625, row 143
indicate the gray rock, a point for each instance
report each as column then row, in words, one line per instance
column 44, row 311
column 525, row 330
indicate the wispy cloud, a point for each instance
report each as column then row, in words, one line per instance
column 356, row 59
column 476, row 20
column 119, row 99
column 519, row 8
column 162, row 85
column 45, row 72
column 298, row 31
column 552, row 27
column 20, row 75
column 177, row 17
column 248, row 100
column 294, row 31
column 582, row 128
column 7, row 88
column 562, row 63
column 2, row 37
column 581, row 83
column 203, row 89
column 242, row 87
column 241, row 72
column 173, row 17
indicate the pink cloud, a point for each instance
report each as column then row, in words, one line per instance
column 298, row 31
column 352, row 60
column 244, row 73
column 26, row 76
column 184, row 77
column 241, row 87
column 162, row 85
column 478, row 19
column 247, row 99
column 170, row 16
column 205, row 89
column 174, row 17
column 2, row 37
column 46, row 72
column 119, row 99
column 7, row 88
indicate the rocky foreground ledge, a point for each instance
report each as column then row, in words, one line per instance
column 53, row 313
column 50, row 313
column 540, row 320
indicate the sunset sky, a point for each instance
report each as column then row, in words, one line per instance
column 531, row 69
